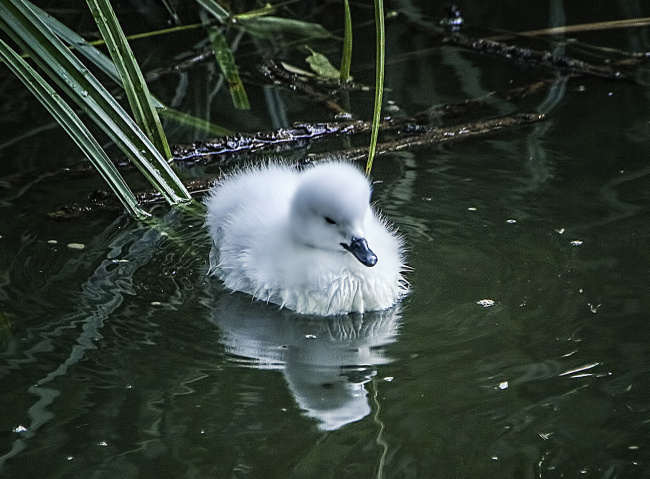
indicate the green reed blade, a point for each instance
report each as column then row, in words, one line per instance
column 136, row 88
column 346, row 57
column 106, row 65
column 228, row 67
column 379, row 81
column 35, row 38
column 71, row 123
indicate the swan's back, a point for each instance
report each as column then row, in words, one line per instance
column 261, row 193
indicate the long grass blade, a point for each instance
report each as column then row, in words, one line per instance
column 106, row 65
column 136, row 88
column 35, row 38
column 379, row 81
column 346, row 57
column 228, row 67
column 71, row 123
column 216, row 10
column 193, row 121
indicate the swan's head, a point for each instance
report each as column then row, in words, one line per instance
column 331, row 208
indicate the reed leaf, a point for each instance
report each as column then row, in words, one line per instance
column 379, row 81
column 193, row 121
column 282, row 29
column 106, row 65
column 226, row 62
column 136, row 88
column 216, row 10
column 71, row 123
column 346, row 57
column 35, row 38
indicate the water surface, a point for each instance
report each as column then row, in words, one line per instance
column 522, row 350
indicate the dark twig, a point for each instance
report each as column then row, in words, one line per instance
column 569, row 64
column 421, row 136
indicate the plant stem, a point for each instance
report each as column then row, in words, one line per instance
column 379, row 81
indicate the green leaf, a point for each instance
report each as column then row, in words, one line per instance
column 35, row 38
column 226, row 62
column 106, row 65
column 277, row 27
column 193, row 121
column 259, row 12
column 346, row 57
column 136, row 88
column 379, row 81
column 71, row 123
column 321, row 65
column 216, row 10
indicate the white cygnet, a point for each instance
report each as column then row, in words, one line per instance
column 306, row 240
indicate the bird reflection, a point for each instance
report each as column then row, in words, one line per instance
column 325, row 361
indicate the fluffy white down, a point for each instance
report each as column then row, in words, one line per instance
column 277, row 236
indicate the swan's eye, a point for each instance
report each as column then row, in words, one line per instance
column 330, row 220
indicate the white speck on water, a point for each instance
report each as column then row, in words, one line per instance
column 511, row 221
column 593, row 307
column 20, row 429
column 388, row 378
column 560, row 230
column 486, row 303
column 471, row 208
column 76, row 246
column 633, row 448
column 576, row 242
column 52, row 241
column 102, row 444
column 310, row 336
column 503, row 385
column 156, row 303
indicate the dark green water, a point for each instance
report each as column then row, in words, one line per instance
column 522, row 351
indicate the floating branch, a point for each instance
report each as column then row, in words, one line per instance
column 572, row 65
column 433, row 136
column 424, row 136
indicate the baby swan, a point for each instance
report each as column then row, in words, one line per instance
column 306, row 240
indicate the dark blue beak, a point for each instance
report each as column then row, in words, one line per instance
column 359, row 248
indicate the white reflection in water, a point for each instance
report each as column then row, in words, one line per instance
column 325, row 361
